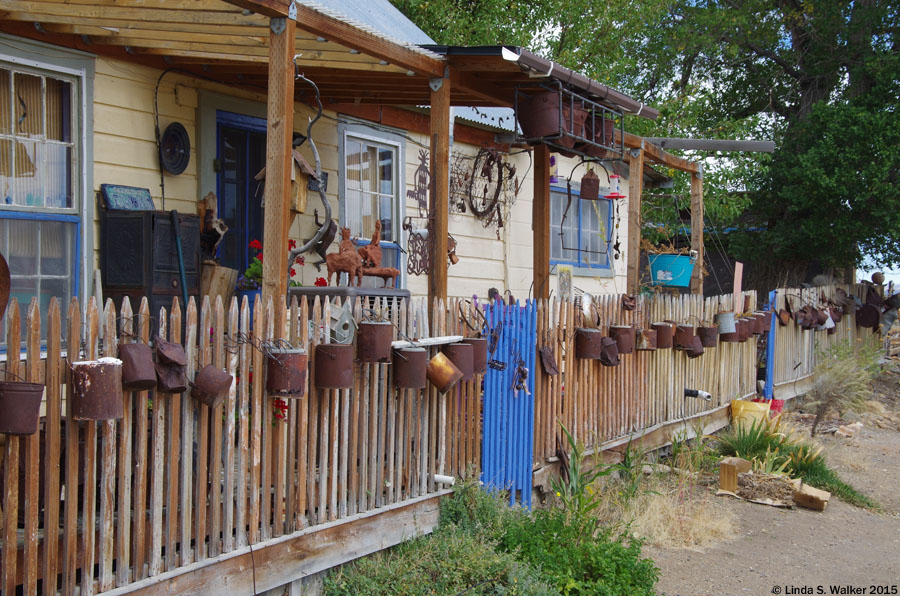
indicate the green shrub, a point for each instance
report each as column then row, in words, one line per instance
column 475, row 510
column 576, row 564
column 451, row 561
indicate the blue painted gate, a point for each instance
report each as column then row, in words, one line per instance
column 508, row 435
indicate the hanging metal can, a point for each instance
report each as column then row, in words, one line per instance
column 373, row 341
column 684, row 337
column 646, row 340
column 725, row 322
column 409, row 368
column 138, row 373
column 211, row 385
column 624, row 338
column 334, row 366
column 479, row 353
column 696, row 348
column 609, row 352
column 462, row 356
column 442, row 373
column 709, row 336
column 20, row 407
column 665, row 335
column 588, row 343
column 97, row 389
column 286, row 372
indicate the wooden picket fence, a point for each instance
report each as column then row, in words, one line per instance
column 597, row 403
column 90, row 506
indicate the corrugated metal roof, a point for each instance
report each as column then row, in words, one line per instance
column 376, row 16
column 497, row 118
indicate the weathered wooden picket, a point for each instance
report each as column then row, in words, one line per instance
column 90, row 506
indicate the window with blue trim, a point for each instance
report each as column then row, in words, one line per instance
column 39, row 182
column 580, row 231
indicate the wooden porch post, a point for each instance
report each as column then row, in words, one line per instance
column 280, row 116
column 440, row 185
column 540, row 222
column 635, row 190
column 697, row 229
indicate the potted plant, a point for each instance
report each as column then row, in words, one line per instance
column 250, row 282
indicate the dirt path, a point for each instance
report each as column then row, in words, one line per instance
column 781, row 550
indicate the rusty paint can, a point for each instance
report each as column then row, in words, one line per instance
column 170, row 378
column 442, row 373
column 684, row 337
column 138, row 373
column 759, row 323
column 462, row 356
column 590, row 186
column 211, row 385
column 334, row 366
column 731, row 338
column 665, row 335
column 868, row 316
column 836, row 314
column 784, row 317
column 409, row 368
column 767, row 318
column 695, row 349
column 286, row 372
column 97, row 389
column 609, row 352
column 588, row 343
column 373, row 341
column 20, row 407
column 821, row 316
column 168, row 352
column 709, row 336
column 646, row 340
column 624, row 338
column 744, row 329
column 479, row 353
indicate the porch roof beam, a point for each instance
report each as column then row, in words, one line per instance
column 656, row 154
column 269, row 8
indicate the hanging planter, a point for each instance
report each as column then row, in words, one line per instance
column 211, row 385
column 442, row 373
column 97, row 389
column 671, row 270
column 709, row 336
column 725, row 322
column 588, row 343
column 373, row 341
column 609, row 352
column 479, row 353
column 665, row 335
column 646, row 340
column 409, row 368
column 684, row 337
column 541, row 115
column 286, row 372
column 624, row 338
column 590, row 186
column 461, row 356
column 20, row 407
column 601, row 131
column 138, row 373
column 334, row 366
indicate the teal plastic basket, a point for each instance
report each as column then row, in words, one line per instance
column 671, row 270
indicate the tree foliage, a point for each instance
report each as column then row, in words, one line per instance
column 819, row 77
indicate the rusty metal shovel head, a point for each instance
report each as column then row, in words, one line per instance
column 4, row 286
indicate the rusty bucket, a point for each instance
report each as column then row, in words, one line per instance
column 442, row 373
column 462, row 356
column 286, row 372
column 624, row 337
column 695, row 349
column 334, row 366
column 20, row 407
column 709, row 336
column 868, row 316
column 744, row 329
column 609, row 352
column 590, row 186
column 138, row 373
column 731, row 338
column 646, row 340
column 836, row 314
column 821, row 316
column 211, row 385
column 665, row 335
column 759, row 323
column 784, row 317
column 684, row 337
column 479, row 353
column 409, row 368
column 97, row 389
column 588, row 343
column 373, row 341
column 168, row 352
column 170, row 378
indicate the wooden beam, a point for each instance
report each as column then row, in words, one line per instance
column 280, row 116
column 440, row 187
column 268, row 8
column 713, row 144
column 697, row 231
column 336, row 30
column 540, row 221
column 482, row 89
column 51, row 11
column 635, row 190
column 656, row 154
column 281, row 560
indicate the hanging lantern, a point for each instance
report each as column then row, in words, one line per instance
column 590, row 186
column 614, row 190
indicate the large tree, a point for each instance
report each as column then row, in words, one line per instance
column 820, row 77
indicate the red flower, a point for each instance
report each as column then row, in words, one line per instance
column 320, row 282
column 293, row 272
column 300, row 261
column 292, row 244
column 255, row 244
column 259, row 256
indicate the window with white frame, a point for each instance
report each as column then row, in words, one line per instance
column 371, row 190
column 41, row 161
column 580, row 231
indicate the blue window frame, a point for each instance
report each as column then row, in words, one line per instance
column 584, row 238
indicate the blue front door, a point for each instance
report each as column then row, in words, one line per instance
column 241, row 154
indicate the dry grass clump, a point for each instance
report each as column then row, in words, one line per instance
column 843, row 380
